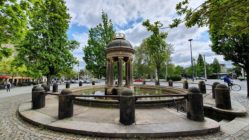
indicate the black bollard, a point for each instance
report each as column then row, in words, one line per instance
column 127, row 107
column 157, row 83
column 80, row 83
column 213, row 88
column 185, row 84
column 67, row 85
column 93, row 82
column 202, row 86
column 38, row 97
column 55, row 87
column 195, row 109
column 170, row 83
column 222, row 97
column 65, row 104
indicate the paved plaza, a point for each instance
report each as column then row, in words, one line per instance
column 13, row 128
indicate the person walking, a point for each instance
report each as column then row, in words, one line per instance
column 8, row 86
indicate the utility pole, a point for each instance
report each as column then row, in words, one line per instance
column 191, row 59
column 205, row 68
column 78, row 72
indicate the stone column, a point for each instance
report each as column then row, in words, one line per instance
column 130, row 71
column 127, row 107
column 127, row 82
column 107, row 81
column 65, row 109
column 222, row 97
column 38, row 97
column 194, row 104
column 120, row 76
column 111, row 74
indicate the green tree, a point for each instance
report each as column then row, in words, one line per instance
column 200, row 66
column 159, row 50
column 142, row 64
column 13, row 24
column 46, row 49
column 99, row 37
column 215, row 66
column 179, row 70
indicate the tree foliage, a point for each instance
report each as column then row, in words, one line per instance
column 159, row 51
column 216, row 66
column 200, row 66
column 46, row 49
column 142, row 64
column 13, row 24
column 99, row 37
column 228, row 27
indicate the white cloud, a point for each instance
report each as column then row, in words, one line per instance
column 122, row 12
column 88, row 12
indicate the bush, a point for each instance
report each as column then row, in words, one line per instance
column 174, row 78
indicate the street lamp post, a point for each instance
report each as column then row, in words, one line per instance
column 78, row 72
column 205, row 67
column 191, row 59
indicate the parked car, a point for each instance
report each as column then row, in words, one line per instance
column 201, row 78
column 86, row 81
column 73, row 81
column 241, row 78
column 138, row 80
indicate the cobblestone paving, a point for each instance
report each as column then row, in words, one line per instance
column 13, row 128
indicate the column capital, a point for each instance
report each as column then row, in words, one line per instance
column 110, row 59
column 130, row 59
column 120, row 57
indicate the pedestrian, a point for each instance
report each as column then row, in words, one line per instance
column 8, row 86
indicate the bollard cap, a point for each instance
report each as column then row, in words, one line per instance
column 66, row 92
column 216, row 83
column 43, row 84
column 38, row 89
column 55, row 84
column 221, row 86
column 194, row 90
column 34, row 87
column 126, row 92
column 201, row 82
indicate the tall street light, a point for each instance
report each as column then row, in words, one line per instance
column 205, row 67
column 191, row 59
column 78, row 71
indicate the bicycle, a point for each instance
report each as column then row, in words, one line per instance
column 234, row 87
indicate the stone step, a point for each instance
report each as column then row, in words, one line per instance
column 235, row 125
column 223, row 122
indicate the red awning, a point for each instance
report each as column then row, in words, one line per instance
column 4, row 77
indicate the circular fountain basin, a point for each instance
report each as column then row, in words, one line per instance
column 139, row 90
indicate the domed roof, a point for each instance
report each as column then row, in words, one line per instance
column 119, row 41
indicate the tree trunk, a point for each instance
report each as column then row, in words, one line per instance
column 48, row 79
column 158, row 72
column 247, row 79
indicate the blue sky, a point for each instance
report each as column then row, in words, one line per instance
column 127, row 17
